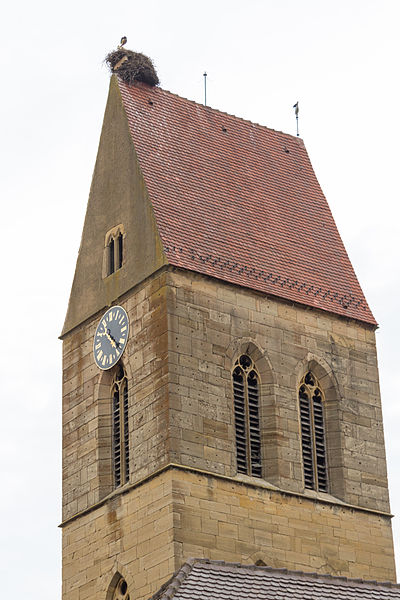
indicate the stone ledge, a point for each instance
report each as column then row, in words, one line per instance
column 245, row 480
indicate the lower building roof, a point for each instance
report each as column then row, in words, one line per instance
column 216, row 580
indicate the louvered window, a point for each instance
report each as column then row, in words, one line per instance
column 120, row 430
column 246, row 393
column 313, row 434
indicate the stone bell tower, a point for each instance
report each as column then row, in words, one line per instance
column 242, row 420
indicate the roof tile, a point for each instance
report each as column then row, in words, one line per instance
column 240, row 202
column 216, row 580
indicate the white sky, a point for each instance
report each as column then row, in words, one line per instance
column 339, row 58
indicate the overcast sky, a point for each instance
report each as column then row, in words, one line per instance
column 339, row 59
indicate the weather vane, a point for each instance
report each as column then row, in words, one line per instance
column 205, row 88
column 296, row 112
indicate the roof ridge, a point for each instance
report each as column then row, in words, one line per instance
column 169, row 588
column 206, row 106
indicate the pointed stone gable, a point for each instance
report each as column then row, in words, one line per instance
column 240, row 202
column 118, row 195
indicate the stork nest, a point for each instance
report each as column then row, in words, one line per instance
column 132, row 66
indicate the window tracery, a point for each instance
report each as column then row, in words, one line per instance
column 121, row 591
column 311, row 404
column 120, row 428
column 247, row 422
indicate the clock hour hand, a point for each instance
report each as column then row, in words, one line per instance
column 112, row 340
column 115, row 342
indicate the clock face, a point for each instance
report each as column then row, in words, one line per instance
column 110, row 337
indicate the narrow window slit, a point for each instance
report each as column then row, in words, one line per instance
column 111, row 262
column 120, row 250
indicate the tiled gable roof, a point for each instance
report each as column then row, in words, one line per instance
column 202, row 579
column 240, row 202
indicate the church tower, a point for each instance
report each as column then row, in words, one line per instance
column 220, row 380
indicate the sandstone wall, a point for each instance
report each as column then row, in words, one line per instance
column 87, row 401
column 210, row 324
column 130, row 534
column 186, row 331
column 147, row 533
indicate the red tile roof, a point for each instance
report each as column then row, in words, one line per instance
column 202, row 579
column 240, row 202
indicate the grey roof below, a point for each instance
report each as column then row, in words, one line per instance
column 216, row 580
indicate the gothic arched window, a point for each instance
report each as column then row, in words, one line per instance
column 120, row 429
column 119, row 590
column 114, row 250
column 313, row 443
column 246, row 392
